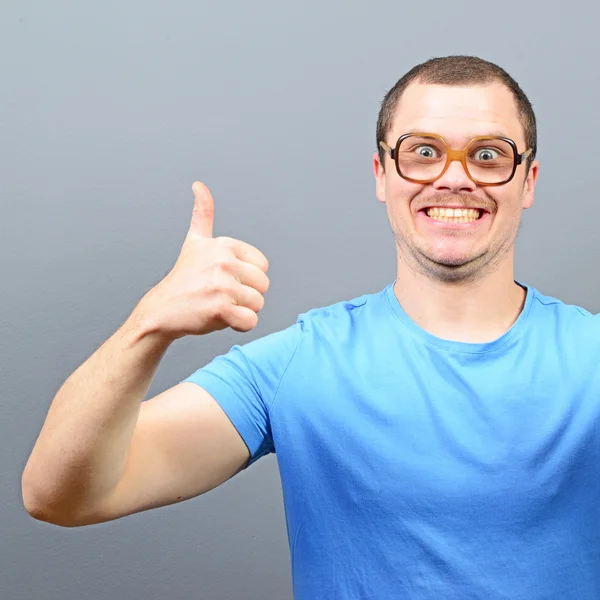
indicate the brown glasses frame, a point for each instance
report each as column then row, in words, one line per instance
column 459, row 155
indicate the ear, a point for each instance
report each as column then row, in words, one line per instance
column 379, row 178
column 529, row 184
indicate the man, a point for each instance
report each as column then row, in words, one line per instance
column 435, row 440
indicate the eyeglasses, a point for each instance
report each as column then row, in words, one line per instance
column 425, row 157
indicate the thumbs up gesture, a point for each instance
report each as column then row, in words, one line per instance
column 216, row 282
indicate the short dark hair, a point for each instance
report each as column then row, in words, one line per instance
column 458, row 70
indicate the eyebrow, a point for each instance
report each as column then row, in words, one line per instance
column 467, row 138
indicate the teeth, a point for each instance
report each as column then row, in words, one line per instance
column 454, row 215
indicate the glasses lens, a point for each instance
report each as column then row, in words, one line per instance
column 490, row 160
column 421, row 158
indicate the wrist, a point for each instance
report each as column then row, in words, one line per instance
column 142, row 324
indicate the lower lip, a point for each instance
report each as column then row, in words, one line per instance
column 450, row 225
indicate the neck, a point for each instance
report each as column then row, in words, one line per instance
column 477, row 311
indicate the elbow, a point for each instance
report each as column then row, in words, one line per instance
column 39, row 513
column 31, row 498
column 38, row 506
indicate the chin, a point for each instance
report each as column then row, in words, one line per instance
column 450, row 259
column 453, row 254
column 454, row 274
column 452, row 267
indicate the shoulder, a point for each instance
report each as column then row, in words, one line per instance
column 338, row 314
column 557, row 307
column 564, row 317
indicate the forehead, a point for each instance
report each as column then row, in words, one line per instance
column 458, row 113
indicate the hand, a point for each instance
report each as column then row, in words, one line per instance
column 216, row 282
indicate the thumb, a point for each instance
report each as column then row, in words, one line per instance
column 204, row 211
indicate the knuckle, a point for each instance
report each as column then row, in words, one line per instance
column 222, row 306
column 219, row 283
column 222, row 267
column 224, row 262
column 224, row 242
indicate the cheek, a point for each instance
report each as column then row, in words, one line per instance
column 509, row 207
column 401, row 193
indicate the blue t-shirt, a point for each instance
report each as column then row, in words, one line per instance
column 414, row 467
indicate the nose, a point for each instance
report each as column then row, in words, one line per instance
column 455, row 179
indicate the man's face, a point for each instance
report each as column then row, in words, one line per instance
column 449, row 251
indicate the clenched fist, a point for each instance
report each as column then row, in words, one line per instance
column 215, row 283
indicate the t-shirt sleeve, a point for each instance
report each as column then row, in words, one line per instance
column 245, row 382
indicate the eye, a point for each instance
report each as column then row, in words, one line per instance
column 485, row 154
column 427, row 151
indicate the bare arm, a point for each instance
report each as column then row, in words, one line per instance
column 183, row 445
column 103, row 453
column 80, row 453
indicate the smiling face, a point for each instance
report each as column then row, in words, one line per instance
column 428, row 238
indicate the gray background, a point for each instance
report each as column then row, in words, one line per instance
column 108, row 114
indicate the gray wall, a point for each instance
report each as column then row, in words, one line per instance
column 110, row 111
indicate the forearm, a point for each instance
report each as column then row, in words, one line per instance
column 82, row 449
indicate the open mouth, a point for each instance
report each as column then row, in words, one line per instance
column 454, row 215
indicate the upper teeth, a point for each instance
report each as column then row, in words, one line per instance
column 471, row 213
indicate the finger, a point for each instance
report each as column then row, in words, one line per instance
column 204, row 211
column 248, row 297
column 249, row 254
column 250, row 275
column 240, row 318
